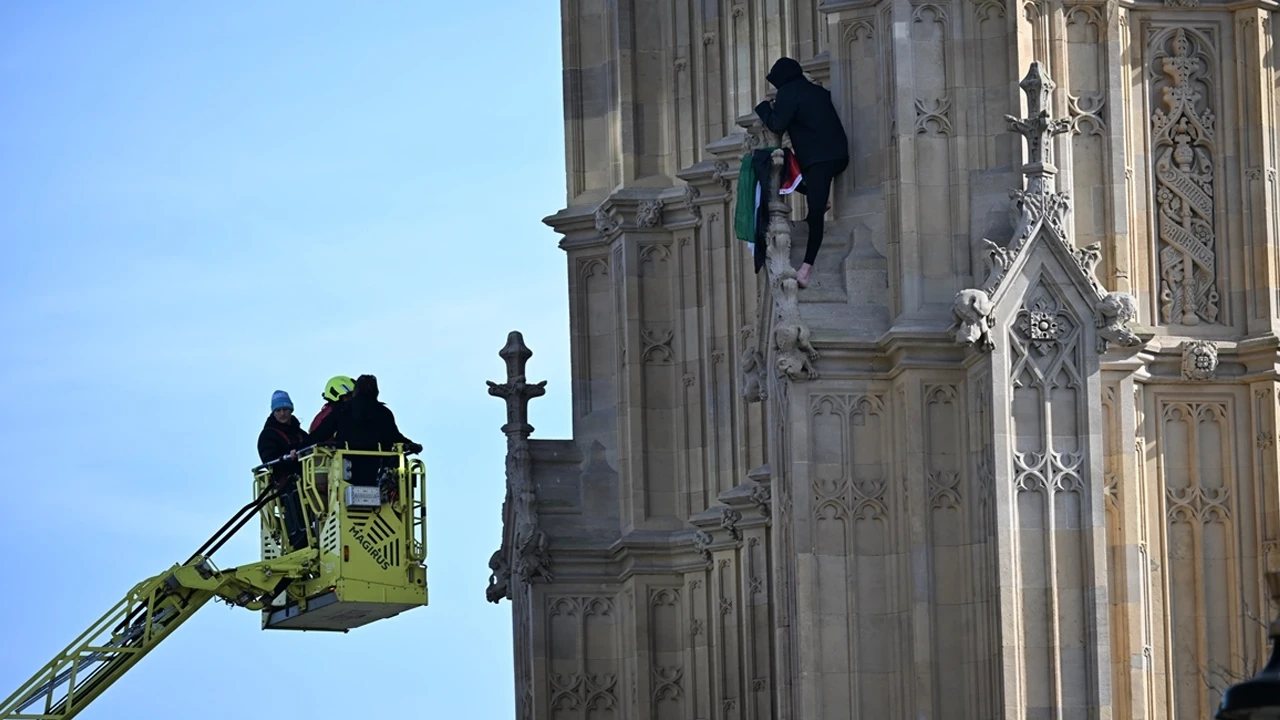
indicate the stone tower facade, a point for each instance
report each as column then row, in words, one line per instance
column 1010, row 455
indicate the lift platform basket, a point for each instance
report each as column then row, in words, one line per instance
column 365, row 512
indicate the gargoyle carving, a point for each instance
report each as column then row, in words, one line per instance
column 649, row 214
column 1114, row 313
column 500, row 578
column 606, row 223
column 729, row 519
column 754, row 388
column 795, row 353
column 702, row 543
column 762, row 496
column 972, row 310
column 532, row 559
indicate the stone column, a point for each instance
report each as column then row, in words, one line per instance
column 1259, row 128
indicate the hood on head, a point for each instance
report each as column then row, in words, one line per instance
column 784, row 71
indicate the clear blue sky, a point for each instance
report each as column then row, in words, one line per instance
column 201, row 203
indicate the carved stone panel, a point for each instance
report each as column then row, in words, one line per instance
column 668, row 685
column 1184, row 145
column 593, row 335
column 582, row 658
column 860, row 636
column 1057, row 539
column 1210, row 549
column 660, row 380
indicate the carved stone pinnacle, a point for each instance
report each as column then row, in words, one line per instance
column 1037, row 128
column 515, row 390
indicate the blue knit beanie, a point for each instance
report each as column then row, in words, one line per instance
column 280, row 399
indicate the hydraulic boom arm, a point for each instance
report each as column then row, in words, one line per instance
column 151, row 611
column 137, row 624
column 360, row 560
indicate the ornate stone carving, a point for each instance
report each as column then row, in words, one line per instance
column 1182, row 3
column 1040, row 326
column 524, row 554
column 729, row 519
column 762, row 496
column 792, row 353
column 1037, row 129
column 861, row 29
column 657, row 346
column 1086, row 113
column 754, row 387
column 1114, row 313
column 1045, row 360
column 1199, row 360
column 972, row 310
column 931, row 116
column 721, row 175
column 576, row 691
column 649, row 214
column 531, row 556
column 937, row 11
column 702, row 544
column 499, row 578
column 1183, row 145
column 1041, row 215
column 606, row 223
column 691, row 194
column 667, row 683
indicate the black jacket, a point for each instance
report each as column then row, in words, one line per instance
column 805, row 112
column 276, row 440
column 362, row 425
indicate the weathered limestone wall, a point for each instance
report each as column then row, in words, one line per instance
column 923, row 529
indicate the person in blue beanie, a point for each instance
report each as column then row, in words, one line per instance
column 283, row 435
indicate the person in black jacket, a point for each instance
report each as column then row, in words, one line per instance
column 283, row 435
column 804, row 111
column 364, row 423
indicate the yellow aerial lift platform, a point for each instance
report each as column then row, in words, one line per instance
column 364, row 560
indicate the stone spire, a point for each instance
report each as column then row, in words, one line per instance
column 1042, row 212
column 1038, row 128
column 523, row 554
column 515, row 390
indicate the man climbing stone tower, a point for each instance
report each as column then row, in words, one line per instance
column 1010, row 455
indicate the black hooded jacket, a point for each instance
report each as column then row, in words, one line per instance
column 277, row 439
column 805, row 112
column 363, row 424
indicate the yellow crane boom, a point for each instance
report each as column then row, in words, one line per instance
column 323, row 586
column 148, row 614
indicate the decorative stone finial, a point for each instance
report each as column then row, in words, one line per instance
column 1037, row 128
column 1042, row 214
column 515, row 390
column 524, row 554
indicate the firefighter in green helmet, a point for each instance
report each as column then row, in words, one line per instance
column 337, row 390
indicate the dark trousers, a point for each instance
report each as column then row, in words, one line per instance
column 817, row 190
column 294, row 522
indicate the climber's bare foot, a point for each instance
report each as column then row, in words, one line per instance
column 802, row 277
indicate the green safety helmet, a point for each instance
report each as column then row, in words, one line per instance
column 338, row 386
